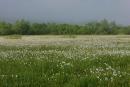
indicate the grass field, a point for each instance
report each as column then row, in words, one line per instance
column 65, row 61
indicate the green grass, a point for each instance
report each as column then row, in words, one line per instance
column 64, row 66
column 69, row 36
column 13, row 37
column 43, row 66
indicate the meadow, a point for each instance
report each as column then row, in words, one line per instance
column 65, row 61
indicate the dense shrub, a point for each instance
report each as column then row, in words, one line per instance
column 23, row 27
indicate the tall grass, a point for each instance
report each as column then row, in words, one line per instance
column 93, row 65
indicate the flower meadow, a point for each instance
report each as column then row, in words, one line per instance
column 64, row 61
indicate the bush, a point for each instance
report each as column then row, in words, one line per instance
column 23, row 27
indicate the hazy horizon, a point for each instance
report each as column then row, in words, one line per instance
column 67, row 11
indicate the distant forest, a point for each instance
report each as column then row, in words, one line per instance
column 23, row 27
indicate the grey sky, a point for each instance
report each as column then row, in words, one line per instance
column 75, row 11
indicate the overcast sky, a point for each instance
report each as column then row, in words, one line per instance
column 69, row 11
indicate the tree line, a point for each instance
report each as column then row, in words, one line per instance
column 23, row 27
